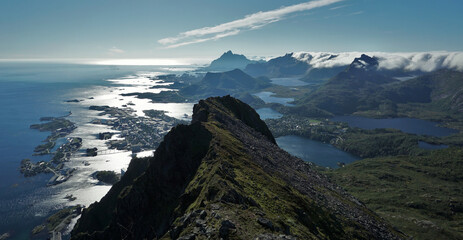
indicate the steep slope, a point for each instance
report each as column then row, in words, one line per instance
column 228, row 61
column 223, row 83
column 223, row 176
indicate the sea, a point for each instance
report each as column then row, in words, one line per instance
column 31, row 90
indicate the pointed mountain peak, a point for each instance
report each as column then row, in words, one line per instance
column 365, row 62
column 288, row 55
column 229, row 52
column 229, row 61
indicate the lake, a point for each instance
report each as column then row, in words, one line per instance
column 407, row 125
column 268, row 113
column 322, row 154
column 288, row 82
column 268, row 97
column 428, row 146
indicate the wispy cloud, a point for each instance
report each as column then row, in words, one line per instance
column 115, row 50
column 338, row 7
column 356, row 13
column 249, row 22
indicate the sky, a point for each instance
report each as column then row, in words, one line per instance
column 120, row 29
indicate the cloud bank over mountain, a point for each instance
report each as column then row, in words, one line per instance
column 415, row 61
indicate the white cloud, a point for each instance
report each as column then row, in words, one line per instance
column 249, row 22
column 356, row 13
column 327, row 59
column 415, row 61
column 115, row 50
column 422, row 61
column 338, row 7
column 216, row 37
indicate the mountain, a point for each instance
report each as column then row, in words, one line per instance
column 350, row 90
column 285, row 66
column 364, row 87
column 228, row 61
column 321, row 75
column 223, row 176
column 442, row 88
column 317, row 67
column 224, row 83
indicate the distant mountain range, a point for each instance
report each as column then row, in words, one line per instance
column 285, row 66
column 351, row 82
column 363, row 86
column 319, row 66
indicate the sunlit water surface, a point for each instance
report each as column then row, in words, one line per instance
column 33, row 90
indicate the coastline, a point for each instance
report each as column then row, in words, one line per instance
column 84, row 189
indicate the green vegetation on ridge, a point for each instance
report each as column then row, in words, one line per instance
column 421, row 195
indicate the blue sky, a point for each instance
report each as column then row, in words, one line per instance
column 156, row 28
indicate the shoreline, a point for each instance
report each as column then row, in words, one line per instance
column 69, row 159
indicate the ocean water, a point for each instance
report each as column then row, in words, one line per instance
column 32, row 90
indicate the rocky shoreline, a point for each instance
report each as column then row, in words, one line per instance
column 59, row 128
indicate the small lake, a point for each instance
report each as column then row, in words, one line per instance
column 268, row 113
column 322, row 154
column 268, row 97
column 428, row 146
column 407, row 125
column 288, row 82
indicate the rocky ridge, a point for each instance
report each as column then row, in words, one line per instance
column 223, row 176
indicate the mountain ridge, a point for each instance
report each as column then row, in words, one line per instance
column 223, row 176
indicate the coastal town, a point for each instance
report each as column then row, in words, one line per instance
column 59, row 127
column 136, row 133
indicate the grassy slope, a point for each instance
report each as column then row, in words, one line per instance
column 420, row 195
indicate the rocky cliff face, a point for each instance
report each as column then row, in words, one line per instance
column 223, row 176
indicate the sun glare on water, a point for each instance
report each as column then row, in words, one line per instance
column 145, row 62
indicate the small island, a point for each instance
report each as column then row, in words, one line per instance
column 92, row 152
column 107, row 177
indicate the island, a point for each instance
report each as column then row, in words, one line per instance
column 59, row 127
column 107, row 177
